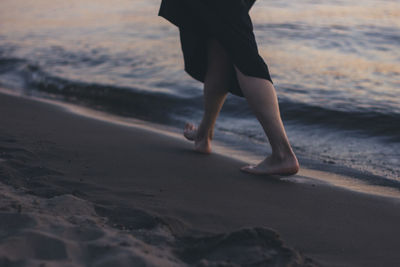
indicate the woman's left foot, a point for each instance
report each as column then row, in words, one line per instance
column 202, row 145
column 190, row 131
column 271, row 165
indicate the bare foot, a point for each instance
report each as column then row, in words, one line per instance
column 190, row 131
column 274, row 166
column 202, row 145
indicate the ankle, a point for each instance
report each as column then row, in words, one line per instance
column 283, row 155
column 203, row 134
column 203, row 139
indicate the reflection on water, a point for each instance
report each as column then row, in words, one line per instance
column 335, row 65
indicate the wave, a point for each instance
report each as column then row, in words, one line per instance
column 333, row 36
column 125, row 101
column 367, row 121
column 167, row 108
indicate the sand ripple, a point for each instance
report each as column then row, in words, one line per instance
column 67, row 231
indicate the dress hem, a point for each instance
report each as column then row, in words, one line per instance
column 198, row 72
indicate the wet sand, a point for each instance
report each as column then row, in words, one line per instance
column 136, row 181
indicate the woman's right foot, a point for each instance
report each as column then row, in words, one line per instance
column 201, row 144
column 272, row 165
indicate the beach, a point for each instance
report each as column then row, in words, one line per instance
column 94, row 170
column 78, row 190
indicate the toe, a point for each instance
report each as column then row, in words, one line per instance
column 189, row 125
column 189, row 131
column 247, row 168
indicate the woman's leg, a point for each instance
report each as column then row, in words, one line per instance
column 215, row 91
column 261, row 96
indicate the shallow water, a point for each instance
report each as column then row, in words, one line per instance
column 335, row 65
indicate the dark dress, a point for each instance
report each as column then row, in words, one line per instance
column 229, row 22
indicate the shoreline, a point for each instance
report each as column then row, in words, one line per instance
column 337, row 176
column 51, row 152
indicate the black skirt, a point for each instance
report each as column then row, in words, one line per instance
column 229, row 22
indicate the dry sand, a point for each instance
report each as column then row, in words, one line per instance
column 80, row 191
